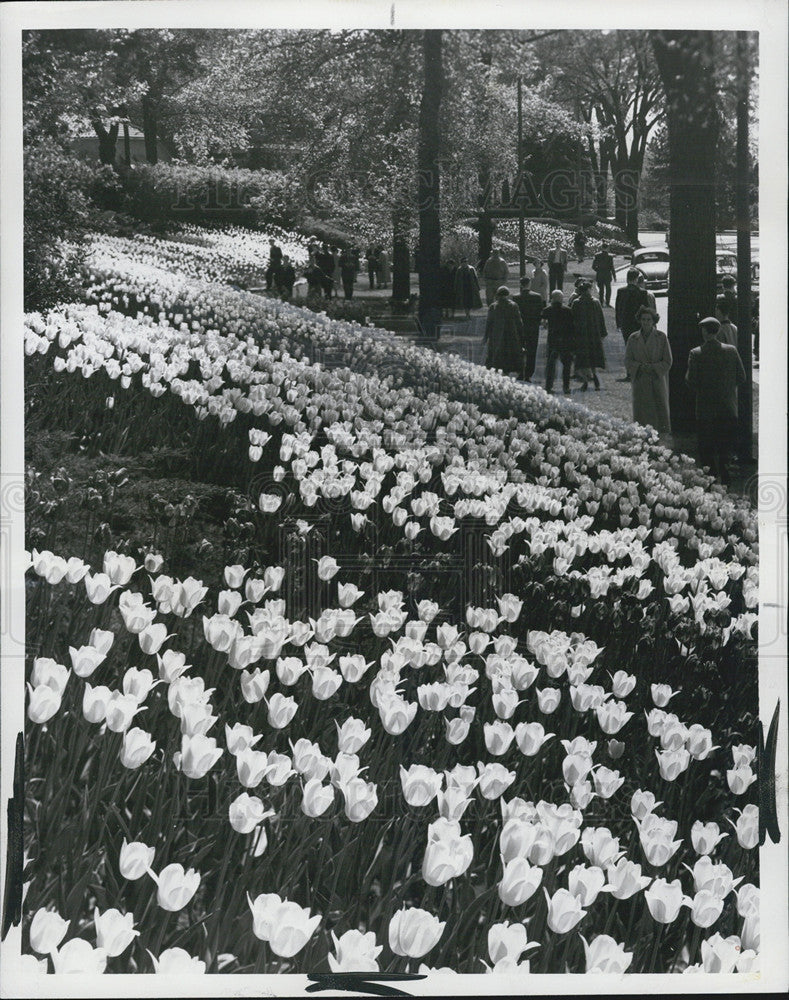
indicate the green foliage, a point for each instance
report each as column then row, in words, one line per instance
column 169, row 193
column 57, row 212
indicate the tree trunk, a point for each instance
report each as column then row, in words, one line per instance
column 627, row 174
column 685, row 61
column 744, row 333
column 401, row 278
column 429, row 184
column 107, row 141
column 602, row 182
column 485, row 223
column 149, row 122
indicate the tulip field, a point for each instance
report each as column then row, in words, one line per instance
column 464, row 677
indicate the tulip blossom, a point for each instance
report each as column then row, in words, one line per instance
column 348, row 594
column 114, row 931
column 641, row 803
column 316, row 798
column 665, row 899
column 705, row 908
column 43, row 704
column 672, row 763
column 78, row 956
column 743, row 755
column 47, row 930
column 530, row 737
column 605, row 955
column 354, row 952
column 625, row 879
column 494, row 780
column 600, row 848
column 138, row 683
column 175, row 886
column 137, row 747
column 453, row 803
column 234, row 576
column 197, row 755
column 47, row 672
column 519, row 881
column 177, row 962
column 498, row 737
column 254, row 685
column 85, row 660
column 361, row 797
column 715, row 878
column 564, row 911
column 101, row 640
column 705, row 837
column 172, row 665
column 396, row 715
column 548, row 700
column 281, row 710
column 740, row 779
column 720, row 955
column 420, row 784
column 606, row 781
column 748, row 900
column 586, row 883
column 448, row 854
column 327, row 568
column 507, row 942
column 135, row 859
column 413, row 932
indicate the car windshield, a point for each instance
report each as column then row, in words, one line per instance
column 651, row 255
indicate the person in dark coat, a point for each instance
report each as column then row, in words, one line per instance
column 504, row 334
column 467, row 295
column 603, row 267
column 372, row 265
column 714, row 374
column 629, row 300
column 729, row 295
column 274, row 264
column 347, row 273
column 579, row 245
column 316, row 278
column 446, row 279
column 531, row 307
column 287, row 278
column 561, row 335
column 589, row 328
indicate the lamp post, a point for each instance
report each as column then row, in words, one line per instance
column 521, row 191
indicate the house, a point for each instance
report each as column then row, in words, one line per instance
column 86, row 145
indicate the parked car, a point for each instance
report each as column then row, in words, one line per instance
column 652, row 262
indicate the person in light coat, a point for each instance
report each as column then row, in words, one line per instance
column 539, row 281
column 495, row 272
column 648, row 360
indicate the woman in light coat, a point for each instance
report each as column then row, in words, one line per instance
column 648, row 360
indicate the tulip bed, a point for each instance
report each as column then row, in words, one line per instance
column 454, row 702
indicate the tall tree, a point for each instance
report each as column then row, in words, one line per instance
column 429, row 182
column 610, row 78
column 687, row 68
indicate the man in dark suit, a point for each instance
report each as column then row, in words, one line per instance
column 603, row 267
column 531, row 307
column 714, row 374
column 274, row 264
column 561, row 339
column 629, row 301
column 729, row 296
